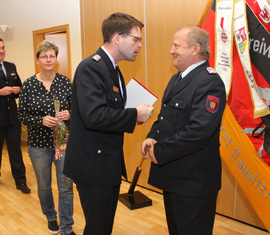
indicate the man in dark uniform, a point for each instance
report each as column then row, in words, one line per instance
column 10, row 126
column 94, row 155
column 183, row 143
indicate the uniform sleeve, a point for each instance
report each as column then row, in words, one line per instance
column 18, row 81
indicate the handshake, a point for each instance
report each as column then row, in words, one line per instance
column 144, row 112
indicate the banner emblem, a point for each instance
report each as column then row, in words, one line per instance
column 241, row 38
column 224, row 37
column 265, row 15
column 212, row 103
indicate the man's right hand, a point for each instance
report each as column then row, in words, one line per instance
column 148, row 146
column 144, row 112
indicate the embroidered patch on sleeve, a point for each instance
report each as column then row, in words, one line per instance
column 212, row 103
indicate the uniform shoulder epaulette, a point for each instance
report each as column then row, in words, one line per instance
column 211, row 70
column 96, row 57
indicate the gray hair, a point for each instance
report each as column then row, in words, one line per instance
column 197, row 35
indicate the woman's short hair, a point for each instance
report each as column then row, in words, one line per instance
column 45, row 46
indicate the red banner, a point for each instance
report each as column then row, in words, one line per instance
column 239, row 99
column 245, row 140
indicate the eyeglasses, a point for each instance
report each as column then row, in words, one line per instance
column 137, row 39
column 47, row 57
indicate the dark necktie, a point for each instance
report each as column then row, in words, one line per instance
column 119, row 80
column 178, row 78
column 114, row 76
column 2, row 74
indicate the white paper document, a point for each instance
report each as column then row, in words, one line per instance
column 138, row 94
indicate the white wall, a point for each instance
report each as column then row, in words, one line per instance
column 25, row 16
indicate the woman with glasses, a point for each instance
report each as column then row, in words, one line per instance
column 37, row 112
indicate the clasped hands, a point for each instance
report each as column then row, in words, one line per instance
column 7, row 90
column 50, row 121
column 148, row 146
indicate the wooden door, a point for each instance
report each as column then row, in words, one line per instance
column 60, row 40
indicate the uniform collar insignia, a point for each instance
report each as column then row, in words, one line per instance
column 96, row 57
column 211, row 70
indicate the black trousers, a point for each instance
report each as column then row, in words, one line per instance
column 12, row 134
column 189, row 215
column 99, row 206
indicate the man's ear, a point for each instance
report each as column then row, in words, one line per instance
column 116, row 38
column 196, row 49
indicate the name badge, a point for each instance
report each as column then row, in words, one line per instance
column 115, row 89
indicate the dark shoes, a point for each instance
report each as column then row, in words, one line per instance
column 23, row 188
column 53, row 227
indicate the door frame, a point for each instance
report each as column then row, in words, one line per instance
column 38, row 37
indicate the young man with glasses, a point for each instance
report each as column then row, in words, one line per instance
column 94, row 155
